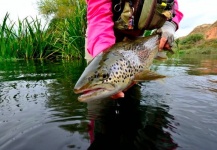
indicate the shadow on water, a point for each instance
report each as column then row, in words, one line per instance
column 125, row 124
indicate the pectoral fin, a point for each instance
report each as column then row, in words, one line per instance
column 147, row 75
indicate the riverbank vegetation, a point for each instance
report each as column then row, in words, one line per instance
column 64, row 36
column 195, row 44
column 61, row 38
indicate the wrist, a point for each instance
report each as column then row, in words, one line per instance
column 170, row 25
column 175, row 25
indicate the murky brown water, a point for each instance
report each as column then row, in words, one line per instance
column 39, row 111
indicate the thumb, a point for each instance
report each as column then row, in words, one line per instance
column 163, row 42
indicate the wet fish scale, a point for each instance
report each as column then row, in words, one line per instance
column 115, row 69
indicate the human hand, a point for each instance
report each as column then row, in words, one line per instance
column 118, row 95
column 167, row 35
column 121, row 94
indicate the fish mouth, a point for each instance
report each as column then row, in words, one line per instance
column 87, row 91
column 90, row 94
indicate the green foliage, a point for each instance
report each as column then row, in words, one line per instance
column 26, row 40
column 70, row 33
column 177, row 42
column 29, row 38
column 58, row 9
column 196, row 44
column 6, row 36
column 211, row 43
column 192, row 39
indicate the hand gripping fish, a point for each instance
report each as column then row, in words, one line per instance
column 116, row 68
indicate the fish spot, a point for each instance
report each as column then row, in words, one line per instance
column 90, row 78
column 104, row 75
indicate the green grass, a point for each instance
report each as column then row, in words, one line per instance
column 196, row 44
column 71, row 34
column 27, row 39
column 6, row 36
column 30, row 39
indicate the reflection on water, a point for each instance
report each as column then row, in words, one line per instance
column 38, row 109
column 126, row 124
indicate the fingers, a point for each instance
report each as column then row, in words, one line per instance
column 167, row 46
column 118, row 95
column 162, row 44
column 121, row 94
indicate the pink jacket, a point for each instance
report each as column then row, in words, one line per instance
column 100, row 34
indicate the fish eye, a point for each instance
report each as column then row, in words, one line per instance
column 105, row 75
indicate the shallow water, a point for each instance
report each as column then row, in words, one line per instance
column 38, row 109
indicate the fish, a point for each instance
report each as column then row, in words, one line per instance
column 118, row 67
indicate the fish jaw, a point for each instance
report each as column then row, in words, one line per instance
column 120, row 63
column 92, row 85
column 96, row 92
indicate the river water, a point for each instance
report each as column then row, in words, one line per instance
column 39, row 111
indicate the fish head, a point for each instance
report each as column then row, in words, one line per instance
column 102, row 78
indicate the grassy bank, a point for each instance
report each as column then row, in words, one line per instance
column 196, row 44
column 30, row 39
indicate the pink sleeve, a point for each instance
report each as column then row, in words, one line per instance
column 178, row 17
column 100, row 34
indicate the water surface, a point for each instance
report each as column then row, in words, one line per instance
column 38, row 109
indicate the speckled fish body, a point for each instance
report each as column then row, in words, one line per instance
column 115, row 69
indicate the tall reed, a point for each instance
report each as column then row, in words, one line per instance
column 34, row 39
column 7, row 49
column 26, row 39
column 71, row 33
column 29, row 38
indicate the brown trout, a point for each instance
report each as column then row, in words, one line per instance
column 115, row 69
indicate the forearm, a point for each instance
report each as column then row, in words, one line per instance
column 178, row 14
column 100, row 34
